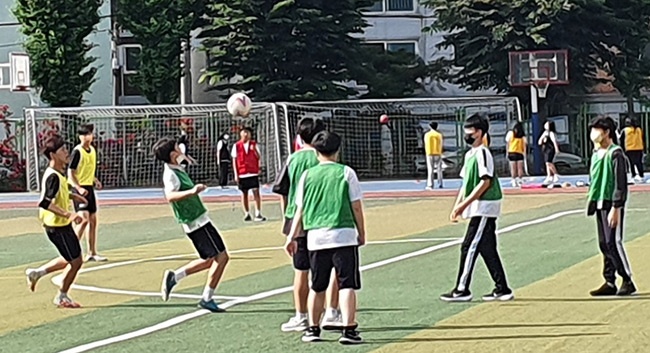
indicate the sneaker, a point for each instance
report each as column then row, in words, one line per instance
column 456, row 296
column 96, row 258
column 428, row 188
column 295, row 324
column 548, row 180
column 248, row 218
column 604, row 290
column 556, row 178
column 312, row 334
column 514, row 184
column 440, row 186
column 350, row 336
column 211, row 306
column 638, row 179
column 168, row 283
column 32, row 278
column 64, row 302
column 503, row 296
column 332, row 323
column 260, row 218
column 627, row 288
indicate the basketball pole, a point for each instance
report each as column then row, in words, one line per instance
column 537, row 130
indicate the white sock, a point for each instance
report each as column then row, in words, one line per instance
column 41, row 272
column 208, row 293
column 179, row 275
column 332, row 312
column 300, row 315
column 258, row 213
column 63, row 295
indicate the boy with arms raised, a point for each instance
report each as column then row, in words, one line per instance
column 297, row 164
column 479, row 199
column 189, row 211
column 607, row 198
column 55, row 215
column 330, row 211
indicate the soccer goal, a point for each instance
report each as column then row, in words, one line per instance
column 396, row 149
column 125, row 135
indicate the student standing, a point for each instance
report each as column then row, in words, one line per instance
column 479, row 199
column 634, row 145
column 433, row 149
column 247, row 159
column 550, row 148
column 223, row 159
column 516, row 142
column 607, row 197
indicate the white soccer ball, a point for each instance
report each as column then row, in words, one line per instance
column 239, row 105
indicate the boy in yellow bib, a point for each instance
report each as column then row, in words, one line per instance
column 81, row 174
column 56, row 217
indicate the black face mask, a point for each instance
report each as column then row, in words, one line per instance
column 469, row 139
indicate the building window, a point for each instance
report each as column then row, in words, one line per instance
column 5, row 76
column 394, row 47
column 392, row 6
column 130, row 58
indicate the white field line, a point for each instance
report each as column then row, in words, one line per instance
column 263, row 295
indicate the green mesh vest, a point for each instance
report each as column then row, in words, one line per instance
column 188, row 209
column 326, row 198
column 601, row 175
column 299, row 162
column 472, row 178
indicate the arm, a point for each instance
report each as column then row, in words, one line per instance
column 553, row 137
column 259, row 155
column 219, row 146
column 359, row 220
column 172, row 186
column 620, row 188
column 296, row 226
column 541, row 138
column 233, row 154
column 52, row 185
column 355, row 195
column 72, row 172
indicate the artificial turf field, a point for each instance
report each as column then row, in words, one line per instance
column 549, row 249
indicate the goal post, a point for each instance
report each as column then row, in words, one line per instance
column 124, row 137
column 396, row 149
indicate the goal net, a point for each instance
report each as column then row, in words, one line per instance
column 124, row 137
column 396, row 149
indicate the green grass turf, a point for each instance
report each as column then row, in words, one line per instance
column 129, row 234
column 397, row 300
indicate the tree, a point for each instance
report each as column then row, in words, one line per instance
column 56, row 43
column 159, row 26
column 389, row 74
column 287, row 50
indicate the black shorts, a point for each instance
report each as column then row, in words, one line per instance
column 91, row 206
column 301, row 257
column 515, row 157
column 249, row 183
column 549, row 156
column 207, row 241
column 344, row 260
column 65, row 240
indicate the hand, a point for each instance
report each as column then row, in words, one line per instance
column 613, row 218
column 81, row 191
column 98, row 185
column 291, row 247
column 75, row 217
column 79, row 199
column 236, row 179
column 456, row 212
column 362, row 239
column 199, row 188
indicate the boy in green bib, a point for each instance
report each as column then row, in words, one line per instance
column 189, row 211
column 607, row 197
column 479, row 199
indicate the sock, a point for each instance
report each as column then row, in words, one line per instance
column 208, row 293
column 179, row 275
column 258, row 213
column 41, row 272
column 63, row 295
column 301, row 315
column 332, row 312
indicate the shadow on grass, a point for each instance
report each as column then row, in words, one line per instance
column 487, row 338
column 639, row 296
column 478, row 327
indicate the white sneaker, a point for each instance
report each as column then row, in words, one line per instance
column 547, row 181
column 96, row 258
column 332, row 323
column 638, row 179
column 428, row 188
column 65, row 302
column 295, row 324
column 514, row 183
column 32, row 278
column 556, row 178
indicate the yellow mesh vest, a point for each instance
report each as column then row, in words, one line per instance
column 516, row 145
column 62, row 199
column 85, row 172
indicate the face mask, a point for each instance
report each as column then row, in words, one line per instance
column 180, row 159
column 596, row 136
column 226, row 137
column 469, row 139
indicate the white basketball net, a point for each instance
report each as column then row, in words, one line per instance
column 542, row 87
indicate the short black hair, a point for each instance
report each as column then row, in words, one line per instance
column 85, row 129
column 433, row 125
column 327, row 143
column 51, row 145
column 308, row 128
column 163, row 149
column 478, row 122
column 604, row 123
column 246, row 128
column 551, row 126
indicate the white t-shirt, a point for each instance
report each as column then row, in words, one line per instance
column 233, row 153
column 485, row 164
column 172, row 183
column 326, row 238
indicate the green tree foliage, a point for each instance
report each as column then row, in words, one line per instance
column 58, row 48
column 389, row 74
column 287, row 50
column 159, row 26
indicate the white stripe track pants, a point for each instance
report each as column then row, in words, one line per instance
column 610, row 241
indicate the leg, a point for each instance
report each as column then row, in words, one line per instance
column 430, row 171
column 439, row 170
column 490, row 255
column 81, row 227
column 216, row 272
column 513, row 170
column 92, row 234
column 333, row 292
column 469, row 252
column 300, row 291
column 605, row 238
column 244, row 201
column 520, row 169
column 223, row 174
column 630, row 157
column 70, row 274
column 332, row 318
column 638, row 161
column 34, row 274
column 258, row 201
column 346, row 263
column 321, row 264
column 618, row 253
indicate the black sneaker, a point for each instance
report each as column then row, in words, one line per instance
column 312, row 334
column 501, row 296
column 248, row 218
column 604, row 290
column 350, row 336
column 627, row 288
column 457, row 296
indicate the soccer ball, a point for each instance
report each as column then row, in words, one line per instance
column 383, row 119
column 239, row 105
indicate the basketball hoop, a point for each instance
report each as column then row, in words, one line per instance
column 542, row 88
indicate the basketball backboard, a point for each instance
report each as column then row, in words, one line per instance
column 20, row 72
column 548, row 67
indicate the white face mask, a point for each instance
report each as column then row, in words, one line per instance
column 226, row 137
column 596, row 136
column 180, row 159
